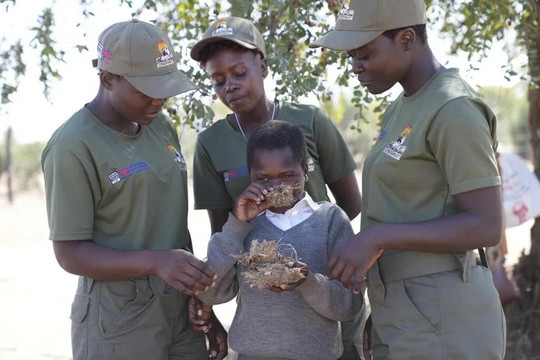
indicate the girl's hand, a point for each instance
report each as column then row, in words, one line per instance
column 290, row 287
column 251, row 202
column 199, row 315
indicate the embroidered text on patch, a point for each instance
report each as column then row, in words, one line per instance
column 346, row 13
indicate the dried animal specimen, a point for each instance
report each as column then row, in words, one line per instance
column 265, row 266
column 282, row 195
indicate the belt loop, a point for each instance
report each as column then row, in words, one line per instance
column 374, row 280
column 157, row 285
column 88, row 284
column 143, row 290
column 468, row 262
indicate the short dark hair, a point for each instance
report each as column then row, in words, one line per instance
column 209, row 50
column 420, row 30
column 278, row 134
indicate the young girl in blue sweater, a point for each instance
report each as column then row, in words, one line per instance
column 294, row 321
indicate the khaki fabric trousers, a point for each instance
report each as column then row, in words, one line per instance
column 352, row 332
column 136, row 319
column 437, row 316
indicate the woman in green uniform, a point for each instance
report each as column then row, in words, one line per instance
column 432, row 194
column 232, row 51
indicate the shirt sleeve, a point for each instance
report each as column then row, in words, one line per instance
column 335, row 158
column 208, row 185
column 71, row 191
column 327, row 297
column 221, row 247
column 462, row 138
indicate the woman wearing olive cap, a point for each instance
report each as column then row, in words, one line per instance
column 232, row 51
column 432, row 194
column 116, row 190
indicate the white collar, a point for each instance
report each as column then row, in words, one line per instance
column 304, row 205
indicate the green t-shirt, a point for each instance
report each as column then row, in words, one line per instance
column 125, row 192
column 437, row 143
column 219, row 166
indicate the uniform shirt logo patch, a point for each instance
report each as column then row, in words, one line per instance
column 233, row 173
column 397, row 147
column 116, row 176
column 178, row 158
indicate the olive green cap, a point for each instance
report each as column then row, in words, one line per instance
column 361, row 21
column 142, row 53
column 239, row 30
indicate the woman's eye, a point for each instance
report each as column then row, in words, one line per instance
column 240, row 74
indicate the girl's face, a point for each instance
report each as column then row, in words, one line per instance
column 380, row 64
column 131, row 104
column 271, row 168
column 238, row 78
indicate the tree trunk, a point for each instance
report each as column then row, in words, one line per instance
column 534, row 128
column 523, row 316
column 534, row 131
column 9, row 166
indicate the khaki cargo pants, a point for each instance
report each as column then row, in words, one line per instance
column 443, row 315
column 135, row 319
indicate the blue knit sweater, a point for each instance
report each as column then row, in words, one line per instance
column 299, row 324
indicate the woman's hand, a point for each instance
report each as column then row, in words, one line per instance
column 353, row 260
column 203, row 319
column 183, row 271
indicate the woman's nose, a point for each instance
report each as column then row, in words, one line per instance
column 231, row 86
column 158, row 102
column 274, row 182
column 357, row 67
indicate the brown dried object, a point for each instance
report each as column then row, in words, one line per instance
column 265, row 266
column 282, row 195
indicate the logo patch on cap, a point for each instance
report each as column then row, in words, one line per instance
column 222, row 29
column 346, row 13
column 166, row 58
column 104, row 54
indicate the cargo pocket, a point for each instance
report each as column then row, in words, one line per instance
column 79, row 327
column 421, row 295
column 123, row 306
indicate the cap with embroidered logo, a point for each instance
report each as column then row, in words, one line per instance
column 239, row 30
column 361, row 21
column 142, row 53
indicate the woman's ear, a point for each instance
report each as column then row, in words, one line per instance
column 106, row 79
column 407, row 38
column 264, row 68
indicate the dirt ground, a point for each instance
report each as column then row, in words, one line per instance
column 36, row 293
